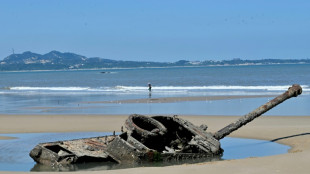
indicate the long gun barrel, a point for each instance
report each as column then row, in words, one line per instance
column 293, row 91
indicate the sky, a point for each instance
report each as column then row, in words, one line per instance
column 158, row 30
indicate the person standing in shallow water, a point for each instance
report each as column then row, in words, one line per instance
column 150, row 90
column 150, row 87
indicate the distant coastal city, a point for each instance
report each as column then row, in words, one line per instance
column 56, row 60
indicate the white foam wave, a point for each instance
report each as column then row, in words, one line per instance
column 160, row 89
column 24, row 88
column 216, row 87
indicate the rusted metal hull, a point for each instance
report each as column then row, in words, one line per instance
column 72, row 151
column 181, row 140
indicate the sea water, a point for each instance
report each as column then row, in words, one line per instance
column 15, row 152
column 70, row 92
column 75, row 91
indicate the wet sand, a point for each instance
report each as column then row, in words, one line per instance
column 290, row 130
column 181, row 99
column 6, row 138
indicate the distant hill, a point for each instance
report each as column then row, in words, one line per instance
column 56, row 60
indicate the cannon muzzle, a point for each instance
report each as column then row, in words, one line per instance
column 293, row 91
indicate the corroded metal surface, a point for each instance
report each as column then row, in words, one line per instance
column 158, row 138
column 293, row 91
column 72, row 151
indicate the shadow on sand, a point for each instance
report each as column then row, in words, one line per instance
column 291, row 136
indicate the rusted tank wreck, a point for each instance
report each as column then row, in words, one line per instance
column 157, row 138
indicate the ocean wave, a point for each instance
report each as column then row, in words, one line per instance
column 157, row 89
column 215, row 87
column 24, row 88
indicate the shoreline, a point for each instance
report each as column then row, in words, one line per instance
column 181, row 99
column 289, row 130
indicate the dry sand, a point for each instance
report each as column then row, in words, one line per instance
column 293, row 131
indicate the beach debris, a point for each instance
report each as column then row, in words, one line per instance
column 149, row 139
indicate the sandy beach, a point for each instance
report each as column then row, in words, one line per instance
column 290, row 130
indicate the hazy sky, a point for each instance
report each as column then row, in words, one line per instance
column 158, row 30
